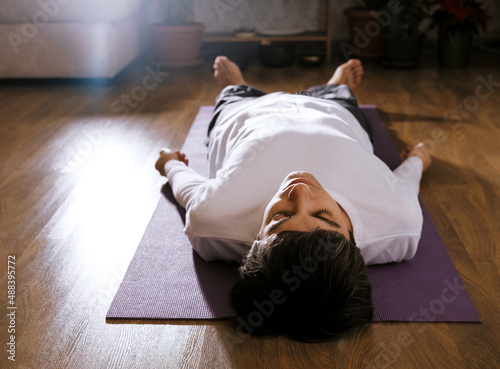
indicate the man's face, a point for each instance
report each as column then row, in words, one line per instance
column 302, row 204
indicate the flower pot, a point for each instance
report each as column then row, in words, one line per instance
column 402, row 52
column 177, row 46
column 454, row 48
column 366, row 31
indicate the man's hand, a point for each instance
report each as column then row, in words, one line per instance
column 418, row 150
column 165, row 156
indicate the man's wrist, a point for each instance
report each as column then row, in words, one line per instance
column 172, row 163
column 416, row 162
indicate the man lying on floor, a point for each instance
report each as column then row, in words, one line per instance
column 337, row 206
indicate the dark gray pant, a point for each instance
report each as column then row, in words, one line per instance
column 341, row 94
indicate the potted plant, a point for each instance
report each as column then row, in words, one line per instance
column 366, row 28
column 458, row 22
column 403, row 39
column 177, row 41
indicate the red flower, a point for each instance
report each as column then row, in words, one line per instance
column 458, row 9
column 460, row 13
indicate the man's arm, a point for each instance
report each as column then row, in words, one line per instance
column 415, row 161
column 187, row 187
column 183, row 180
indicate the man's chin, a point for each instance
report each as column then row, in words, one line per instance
column 297, row 176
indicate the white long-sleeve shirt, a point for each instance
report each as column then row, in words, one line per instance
column 257, row 142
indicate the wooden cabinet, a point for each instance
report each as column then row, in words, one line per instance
column 324, row 36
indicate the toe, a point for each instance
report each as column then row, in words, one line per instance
column 360, row 68
column 222, row 60
column 354, row 62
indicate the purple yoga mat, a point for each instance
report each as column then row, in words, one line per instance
column 168, row 280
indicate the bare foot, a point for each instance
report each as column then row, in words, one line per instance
column 227, row 73
column 349, row 74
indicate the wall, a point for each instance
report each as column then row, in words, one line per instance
column 262, row 15
column 227, row 15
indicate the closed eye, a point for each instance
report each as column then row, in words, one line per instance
column 320, row 214
column 281, row 214
column 322, row 211
column 324, row 215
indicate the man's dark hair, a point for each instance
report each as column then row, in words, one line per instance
column 310, row 286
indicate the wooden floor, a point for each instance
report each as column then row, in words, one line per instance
column 78, row 187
